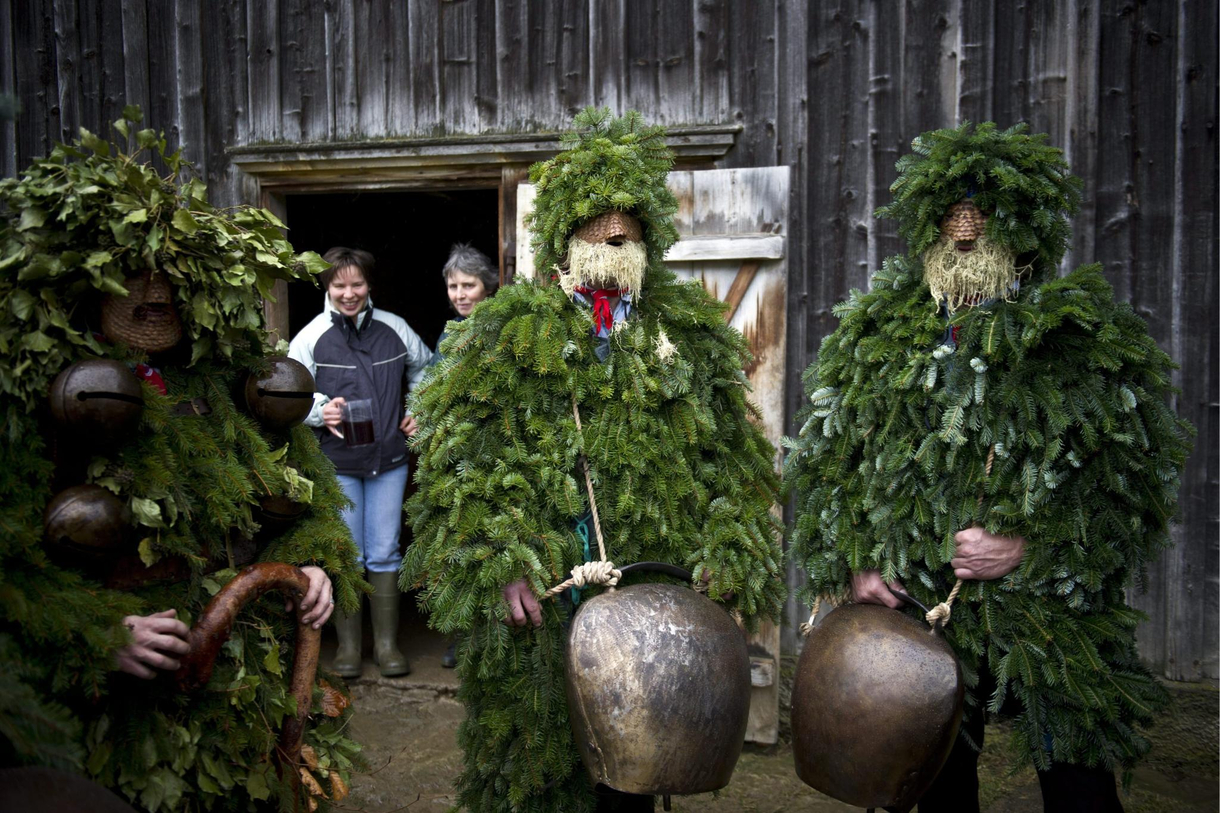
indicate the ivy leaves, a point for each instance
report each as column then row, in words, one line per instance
column 81, row 221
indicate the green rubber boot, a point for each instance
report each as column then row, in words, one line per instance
column 384, row 605
column 347, row 661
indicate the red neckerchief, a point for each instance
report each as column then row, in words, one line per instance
column 152, row 376
column 602, row 314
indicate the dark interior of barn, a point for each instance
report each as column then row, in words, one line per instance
column 410, row 234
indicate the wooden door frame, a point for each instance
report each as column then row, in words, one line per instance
column 495, row 161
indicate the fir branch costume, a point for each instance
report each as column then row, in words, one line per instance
column 1067, row 387
column 680, row 472
column 77, row 224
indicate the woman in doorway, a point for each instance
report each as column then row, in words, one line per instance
column 469, row 279
column 356, row 352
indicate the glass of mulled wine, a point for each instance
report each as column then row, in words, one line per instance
column 357, row 418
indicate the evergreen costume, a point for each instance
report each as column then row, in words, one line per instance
column 679, row 471
column 913, row 392
column 208, row 487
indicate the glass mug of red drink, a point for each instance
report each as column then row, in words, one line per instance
column 357, row 422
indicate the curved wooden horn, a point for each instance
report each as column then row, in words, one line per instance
column 216, row 623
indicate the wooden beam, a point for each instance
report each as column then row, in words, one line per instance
column 705, row 247
column 737, row 291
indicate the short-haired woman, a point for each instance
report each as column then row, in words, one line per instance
column 356, row 352
column 469, row 279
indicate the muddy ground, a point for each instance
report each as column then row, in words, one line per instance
column 407, row 728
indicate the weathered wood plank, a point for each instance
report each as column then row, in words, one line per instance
column 373, row 73
column 674, row 57
column 485, row 67
column 1115, row 204
column 753, row 95
column 402, row 94
column 459, row 25
column 162, row 110
column 135, row 51
column 263, row 60
column 112, row 58
column 1049, row 49
column 424, row 36
column 641, row 77
column 1080, row 143
column 89, row 66
column 304, row 113
column 8, row 84
column 1153, row 70
column 929, row 65
column 710, row 79
column 888, row 138
column 1010, row 59
column 698, row 248
column 67, row 68
column 607, row 52
column 1196, row 339
column 975, row 46
column 225, row 104
column 192, row 135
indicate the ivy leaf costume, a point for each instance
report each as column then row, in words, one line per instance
column 680, row 472
column 1065, row 384
column 76, row 225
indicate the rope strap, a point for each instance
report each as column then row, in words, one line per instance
column 599, row 572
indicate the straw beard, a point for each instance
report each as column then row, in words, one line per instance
column 964, row 278
column 601, row 265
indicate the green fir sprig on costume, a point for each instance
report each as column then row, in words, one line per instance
column 1016, row 178
column 607, row 163
column 890, row 460
column 90, row 215
column 76, row 224
column 680, row 473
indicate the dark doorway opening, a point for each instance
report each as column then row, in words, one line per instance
column 410, row 234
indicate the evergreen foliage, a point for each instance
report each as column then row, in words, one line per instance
column 74, row 225
column 890, row 460
column 680, row 472
column 1015, row 178
column 607, row 163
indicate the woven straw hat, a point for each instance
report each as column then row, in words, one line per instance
column 608, row 226
column 964, row 222
column 146, row 318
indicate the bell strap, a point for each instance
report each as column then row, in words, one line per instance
column 599, row 572
column 938, row 615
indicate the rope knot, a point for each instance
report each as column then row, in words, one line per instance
column 939, row 614
column 595, row 573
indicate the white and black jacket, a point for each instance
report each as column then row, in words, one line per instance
column 375, row 356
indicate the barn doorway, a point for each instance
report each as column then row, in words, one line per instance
column 410, row 234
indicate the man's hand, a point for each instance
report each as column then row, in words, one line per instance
column 317, row 603
column 408, row 426
column 985, row 556
column 868, row 588
column 332, row 416
column 152, row 636
column 522, row 603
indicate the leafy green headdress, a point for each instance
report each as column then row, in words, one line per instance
column 607, row 163
column 81, row 221
column 1014, row 177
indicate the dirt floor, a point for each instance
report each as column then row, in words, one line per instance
column 407, row 728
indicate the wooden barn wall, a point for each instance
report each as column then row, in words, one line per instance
column 834, row 89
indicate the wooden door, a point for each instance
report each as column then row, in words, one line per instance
column 733, row 225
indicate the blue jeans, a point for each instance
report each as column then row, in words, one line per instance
column 376, row 518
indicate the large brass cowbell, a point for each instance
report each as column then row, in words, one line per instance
column 876, row 706
column 658, row 683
